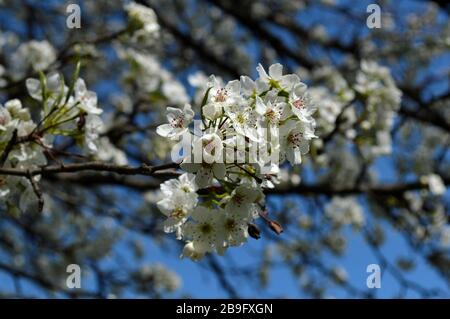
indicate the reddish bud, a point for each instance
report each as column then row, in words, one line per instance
column 275, row 226
column 81, row 121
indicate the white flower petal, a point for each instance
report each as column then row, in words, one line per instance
column 276, row 71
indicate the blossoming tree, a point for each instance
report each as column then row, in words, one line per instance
column 148, row 127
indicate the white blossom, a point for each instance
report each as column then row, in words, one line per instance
column 203, row 229
column 93, row 127
column 220, row 97
column 275, row 78
column 38, row 55
column 87, row 99
column 204, row 172
column 294, row 140
column 195, row 251
column 435, row 183
column 144, row 20
column 242, row 200
column 179, row 200
column 178, row 122
column 345, row 211
column 231, row 230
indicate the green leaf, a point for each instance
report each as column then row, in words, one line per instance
column 205, row 99
column 43, row 81
column 283, row 93
column 75, row 76
column 58, row 100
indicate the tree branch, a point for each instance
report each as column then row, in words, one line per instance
column 89, row 166
column 8, row 148
column 260, row 32
column 188, row 41
column 326, row 189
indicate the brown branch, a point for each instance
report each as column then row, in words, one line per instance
column 188, row 41
column 222, row 277
column 337, row 123
column 8, row 148
column 301, row 32
column 37, row 190
column 260, row 32
column 326, row 189
column 426, row 116
column 101, row 179
column 89, row 166
column 394, row 189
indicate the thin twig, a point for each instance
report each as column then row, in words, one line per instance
column 8, row 148
column 89, row 166
column 37, row 190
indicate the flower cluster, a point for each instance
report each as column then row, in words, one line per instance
column 142, row 23
column 148, row 77
column 153, row 87
column 345, row 211
column 25, row 143
column 382, row 97
column 246, row 130
column 16, row 122
column 158, row 277
column 334, row 95
column 37, row 55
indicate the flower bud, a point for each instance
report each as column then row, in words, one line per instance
column 254, row 231
column 275, row 226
